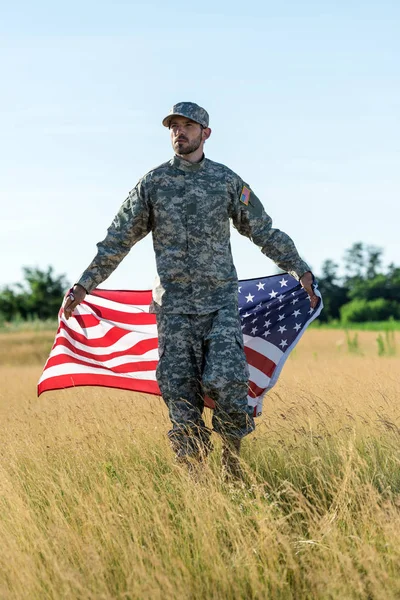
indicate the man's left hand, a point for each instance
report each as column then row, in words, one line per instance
column 307, row 283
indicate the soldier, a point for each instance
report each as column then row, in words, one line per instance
column 187, row 203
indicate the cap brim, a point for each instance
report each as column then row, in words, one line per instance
column 167, row 119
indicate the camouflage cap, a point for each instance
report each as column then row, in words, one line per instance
column 190, row 110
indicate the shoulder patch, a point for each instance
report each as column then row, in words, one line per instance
column 245, row 195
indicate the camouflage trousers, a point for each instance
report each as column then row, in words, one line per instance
column 203, row 355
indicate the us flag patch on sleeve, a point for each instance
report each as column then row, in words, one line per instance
column 245, row 195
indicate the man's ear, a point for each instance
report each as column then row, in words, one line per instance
column 206, row 133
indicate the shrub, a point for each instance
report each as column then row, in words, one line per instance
column 358, row 311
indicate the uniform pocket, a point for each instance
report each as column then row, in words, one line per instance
column 161, row 348
column 239, row 339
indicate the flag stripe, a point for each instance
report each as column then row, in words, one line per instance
column 259, row 378
column 72, row 368
column 98, row 329
column 57, row 382
column 264, row 347
column 255, row 392
column 111, row 337
column 138, row 349
column 86, row 321
column 107, row 360
column 129, row 298
column 123, row 367
column 118, row 316
column 260, row 361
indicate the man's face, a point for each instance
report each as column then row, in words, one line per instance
column 186, row 135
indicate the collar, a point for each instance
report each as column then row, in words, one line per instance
column 185, row 165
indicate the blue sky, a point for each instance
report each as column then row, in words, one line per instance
column 304, row 101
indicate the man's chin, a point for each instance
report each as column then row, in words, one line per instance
column 182, row 149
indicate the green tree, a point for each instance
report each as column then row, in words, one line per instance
column 360, row 310
column 362, row 262
column 333, row 292
column 385, row 286
column 9, row 308
column 39, row 296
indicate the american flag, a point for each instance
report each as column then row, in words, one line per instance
column 111, row 338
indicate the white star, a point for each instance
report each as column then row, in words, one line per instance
column 280, row 298
column 266, row 333
column 267, row 323
column 293, row 293
column 297, row 327
column 253, row 331
column 283, row 282
column 283, row 343
column 267, row 313
column 259, row 305
column 273, row 294
column 281, row 317
column 260, row 286
column 280, row 307
column 296, row 313
column 282, row 328
column 310, row 311
column 240, row 289
column 249, row 298
column 254, row 320
column 295, row 301
column 246, row 315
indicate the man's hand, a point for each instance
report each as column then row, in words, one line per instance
column 306, row 282
column 73, row 299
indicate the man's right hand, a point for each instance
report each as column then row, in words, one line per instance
column 73, row 299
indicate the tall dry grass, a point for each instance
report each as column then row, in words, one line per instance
column 92, row 504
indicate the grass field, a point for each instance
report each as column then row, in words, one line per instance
column 93, row 506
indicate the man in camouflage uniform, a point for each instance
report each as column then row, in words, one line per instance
column 187, row 203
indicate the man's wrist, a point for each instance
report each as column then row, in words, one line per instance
column 80, row 285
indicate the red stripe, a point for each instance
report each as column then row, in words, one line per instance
column 254, row 390
column 59, row 382
column 109, row 314
column 131, row 367
column 260, row 361
column 89, row 320
column 137, row 349
column 131, row 297
column 209, row 403
column 86, row 321
column 108, row 339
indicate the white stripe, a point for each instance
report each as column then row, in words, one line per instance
column 128, row 308
column 91, row 333
column 252, row 401
column 258, row 377
column 71, row 369
column 99, row 331
column 263, row 347
column 128, row 341
column 258, row 402
column 139, row 328
column 110, row 363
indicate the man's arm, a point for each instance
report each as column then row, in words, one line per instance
column 250, row 219
column 131, row 224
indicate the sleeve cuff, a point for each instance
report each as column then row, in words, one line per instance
column 87, row 284
column 299, row 270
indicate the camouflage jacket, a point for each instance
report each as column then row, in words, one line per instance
column 188, row 208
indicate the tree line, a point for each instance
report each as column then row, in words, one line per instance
column 363, row 292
